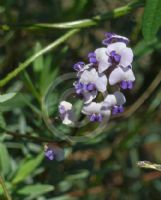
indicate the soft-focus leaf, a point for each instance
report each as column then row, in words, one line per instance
column 27, row 168
column 38, row 64
column 35, row 190
column 2, row 121
column 6, row 97
column 151, row 19
column 5, row 165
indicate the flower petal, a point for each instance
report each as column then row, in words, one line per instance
column 89, row 76
column 110, row 101
column 126, row 57
column 93, row 107
column 102, row 59
column 120, row 98
column 101, row 83
column 129, row 75
column 116, row 76
column 118, row 47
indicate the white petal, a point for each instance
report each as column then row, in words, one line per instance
column 106, row 113
column 117, row 46
column 92, row 108
column 110, row 101
column 120, row 98
column 129, row 75
column 69, row 118
column 126, row 57
column 88, row 66
column 102, row 59
column 89, row 76
column 101, row 83
column 67, row 105
column 116, row 76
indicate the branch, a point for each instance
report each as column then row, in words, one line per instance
column 144, row 96
column 6, row 193
column 94, row 21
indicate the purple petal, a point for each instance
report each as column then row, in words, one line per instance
column 115, row 110
column 79, row 66
column 130, row 84
column 123, row 85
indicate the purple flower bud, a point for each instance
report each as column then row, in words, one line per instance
column 50, row 154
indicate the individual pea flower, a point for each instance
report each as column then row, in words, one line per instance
column 66, row 113
column 102, row 110
column 49, row 153
column 116, row 54
column 53, row 152
column 112, row 38
column 89, row 83
column 124, row 76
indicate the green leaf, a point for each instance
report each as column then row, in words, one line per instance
column 5, row 165
column 38, row 63
column 151, row 19
column 2, row 121
column 6, row 97
column 35, row 190
column 26, row 168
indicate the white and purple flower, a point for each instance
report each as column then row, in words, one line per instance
column 66, row 113
column 116, row 54
column 90, row 83
column 123, row 76
column 102, row 110
column 111, row 64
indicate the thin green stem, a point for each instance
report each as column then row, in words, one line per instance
column 25, row 64
column 6, row 193
column 94, row 21
column 31, row 86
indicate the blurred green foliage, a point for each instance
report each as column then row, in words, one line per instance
column 104, row 167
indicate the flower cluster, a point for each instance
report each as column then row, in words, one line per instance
column 109, row 66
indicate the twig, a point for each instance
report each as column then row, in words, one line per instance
column 6, row 193
column 30, row 137
column 118, row 12
column 144, row 96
